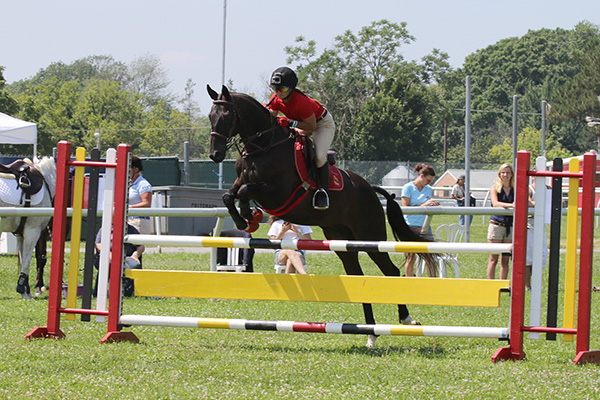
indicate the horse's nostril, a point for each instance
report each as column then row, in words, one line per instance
column 216, row 156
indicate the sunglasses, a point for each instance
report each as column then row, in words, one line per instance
column 281, row 89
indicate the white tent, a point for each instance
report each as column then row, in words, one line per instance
column 16, row 131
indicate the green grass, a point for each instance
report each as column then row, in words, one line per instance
column 172, row 363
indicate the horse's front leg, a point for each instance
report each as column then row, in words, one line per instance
column 229, row 201
column 254, row 191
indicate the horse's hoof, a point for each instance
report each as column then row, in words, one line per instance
column 371, row 341
column 39, row 291
column 26, row 296
column 242, row 226
column 251, row 228
column 409, row 321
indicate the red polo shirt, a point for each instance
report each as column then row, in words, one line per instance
column 299, row 107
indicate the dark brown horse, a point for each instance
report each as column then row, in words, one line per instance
column 267, row 175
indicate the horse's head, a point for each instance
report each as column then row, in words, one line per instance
column 224, row 122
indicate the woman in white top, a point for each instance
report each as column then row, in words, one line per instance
column 293, row 260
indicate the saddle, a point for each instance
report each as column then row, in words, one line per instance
column 29, row 179
column 304, row 156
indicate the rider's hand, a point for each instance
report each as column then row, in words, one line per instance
column 283, row 122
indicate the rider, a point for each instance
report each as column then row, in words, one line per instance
column 309, row 118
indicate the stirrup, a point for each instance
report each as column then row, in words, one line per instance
column 323, row 204
column 24, row 182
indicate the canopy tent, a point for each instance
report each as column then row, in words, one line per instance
column 16, row 131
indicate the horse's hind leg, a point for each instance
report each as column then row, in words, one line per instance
column 26, row 244
column 40, row 258
column 352, row 267
column 24, row 261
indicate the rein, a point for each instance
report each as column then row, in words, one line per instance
column 261, row 149
column 233, row 139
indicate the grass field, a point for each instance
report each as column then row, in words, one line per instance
column 171, row 363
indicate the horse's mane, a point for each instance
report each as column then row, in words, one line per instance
column 47, row 167
column 254, row 103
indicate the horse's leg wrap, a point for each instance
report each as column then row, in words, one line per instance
column 321, row 198
column 23, row 284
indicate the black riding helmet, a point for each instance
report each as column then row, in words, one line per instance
column 284, row 76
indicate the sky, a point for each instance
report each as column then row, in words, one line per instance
column 187, row 35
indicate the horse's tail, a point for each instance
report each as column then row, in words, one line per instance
column 396, row 219
column 400, row 228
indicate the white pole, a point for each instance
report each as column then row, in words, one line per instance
column 544, row 105
column 539, row 240
column 467, row 154
column 515, row 131
column 224, row 41
column 223, row 75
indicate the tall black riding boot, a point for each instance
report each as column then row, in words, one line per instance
column 321, row 198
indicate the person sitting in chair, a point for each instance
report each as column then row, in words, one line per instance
column 133, row 259
column 293, row 260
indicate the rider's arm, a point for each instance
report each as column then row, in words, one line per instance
column 307, row 125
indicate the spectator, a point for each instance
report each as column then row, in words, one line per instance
column 140, row 195
column 502, row 194
column 294, row 260
column 458, row 194
column 133, row 259
column 419, row 193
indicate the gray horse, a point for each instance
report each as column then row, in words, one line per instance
column 28, row 232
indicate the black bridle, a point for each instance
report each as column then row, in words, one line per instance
column 233, row 139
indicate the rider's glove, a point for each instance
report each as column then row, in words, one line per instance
column 283, row 122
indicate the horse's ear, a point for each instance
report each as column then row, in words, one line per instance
column 213, row 95
column 225, row 93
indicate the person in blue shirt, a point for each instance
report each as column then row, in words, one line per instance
column 419, row 193
column 133, row 259
column 140, row 195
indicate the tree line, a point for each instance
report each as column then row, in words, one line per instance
column 385, row 107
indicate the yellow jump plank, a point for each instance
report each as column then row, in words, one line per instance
column 319, row 288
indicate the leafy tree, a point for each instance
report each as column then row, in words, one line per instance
column 8, row 105
column 197, row 132
column 374, row 51
column 123, row 103
column 99, row 67
column 353, row 80
column 149, row 80
column 578, row 98
column 529, row 139
column 533, row 67
column 394, row 124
